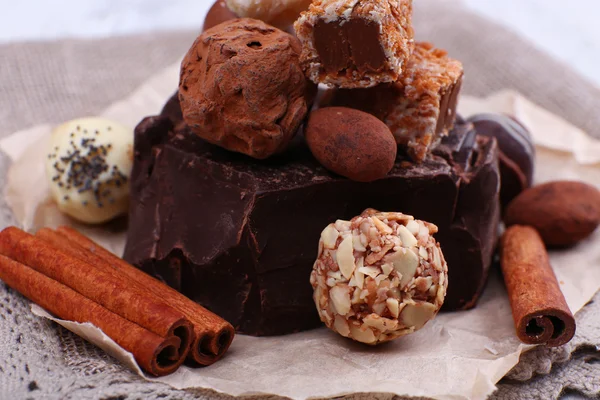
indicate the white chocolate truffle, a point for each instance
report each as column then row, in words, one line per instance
column 88, row 168
column 280, row 13
column 379, row 276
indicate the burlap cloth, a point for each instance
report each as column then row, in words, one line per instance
column 53, row 82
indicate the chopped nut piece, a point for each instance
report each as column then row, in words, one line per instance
column 363, row 334
column 380, row 323
column 406, row 263
column 393, row 306
column 358, row 244
column 387, row 268
column 423, row 284
column 381, row 226
column 329, row 237
column 408, row 239
column 413, row 227
column 417, row 314
column 341, row 326
column 345, row 257
column 340, row 297
column 370, row 271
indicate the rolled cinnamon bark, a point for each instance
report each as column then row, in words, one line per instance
column 154, row 354
column 539, row 308
column 108, row 290
column 212, row 334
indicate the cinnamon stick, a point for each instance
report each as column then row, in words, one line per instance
column 110, row 291
column 156, row 355
column 539, row 308
column 212, row 334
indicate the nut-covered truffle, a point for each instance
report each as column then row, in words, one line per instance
column 517, row 152
column 563, row 212
column 351, row 143
column 379, row 276
column 88, row 167
column 241, row 87
column 280, row 13
column 217, row 14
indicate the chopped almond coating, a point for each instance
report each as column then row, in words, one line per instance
column 379, row 276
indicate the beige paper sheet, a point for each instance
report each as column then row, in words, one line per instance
column 457, row 356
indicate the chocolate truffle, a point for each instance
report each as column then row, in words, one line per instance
column 279, row 13
column 351, row 143
column 420, row 107
column 88, row 166
column 242, row 88
column 379, row 276
column 239, row 235
column 517, row 152
column 217, row 14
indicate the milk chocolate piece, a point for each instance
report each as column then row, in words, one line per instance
column 217, row 14
column 517, row 152
column 419, row 108
column 240, row 235
column 355, row 43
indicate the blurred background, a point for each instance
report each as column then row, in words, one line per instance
column 567, row 30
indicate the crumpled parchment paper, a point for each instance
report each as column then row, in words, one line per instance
column 459, row 355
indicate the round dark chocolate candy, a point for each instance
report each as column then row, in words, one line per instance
column 517, row 152
column 217, row 14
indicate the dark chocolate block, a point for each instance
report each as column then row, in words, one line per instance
column 240, row 235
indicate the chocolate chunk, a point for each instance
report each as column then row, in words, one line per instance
column 217, row 14
column 356, row 44
column 420, row 107
column 517, row 152
column 240, row 235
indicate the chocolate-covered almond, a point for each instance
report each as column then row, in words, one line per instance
column 351, row 143
column 517, row 152
column 563, row 212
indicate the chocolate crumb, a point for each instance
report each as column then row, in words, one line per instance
column 33, row 386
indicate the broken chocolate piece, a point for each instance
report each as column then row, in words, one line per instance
column 355, row 43
column 240, row 235
column 420, row 108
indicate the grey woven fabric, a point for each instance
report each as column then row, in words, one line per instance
column 53, row 82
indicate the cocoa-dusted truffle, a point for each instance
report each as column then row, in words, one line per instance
column 218, row 13
column 242, row 88
column 379, row 276
column 351, row 143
